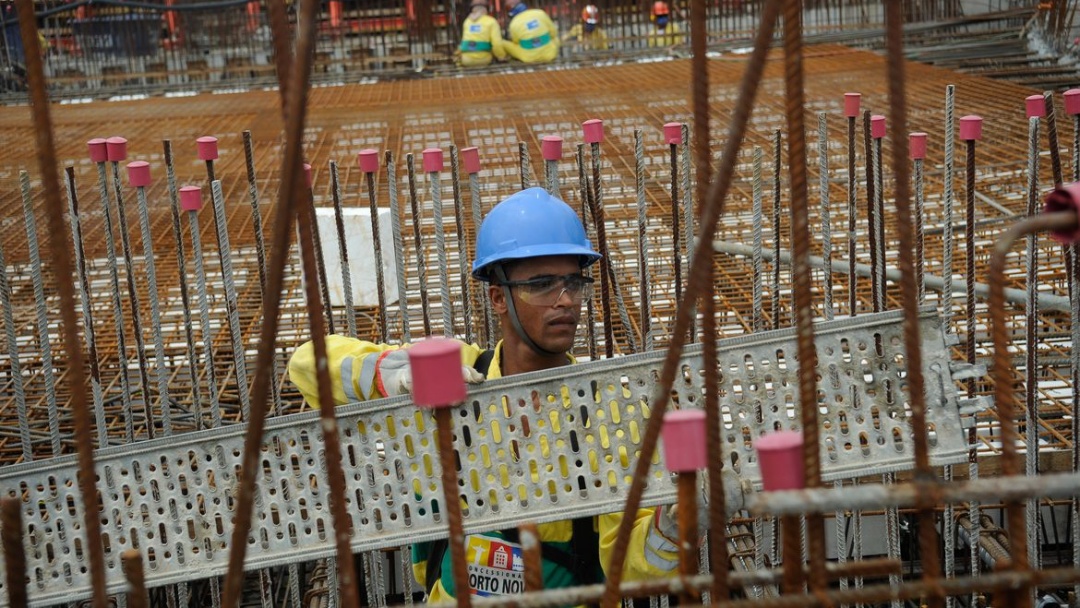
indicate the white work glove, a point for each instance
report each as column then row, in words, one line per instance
column 395, row 375
column 402, row 384
column 667, row 521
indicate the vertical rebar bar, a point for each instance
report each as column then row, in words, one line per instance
column 974, row 513
column 376, row 242
column 88, row 325
column 118, row 311
column 204, row 309
column 155, row 312
column 462, row 246
column 235, row 330
column 596, row 205
column 529, row 534
column 687, row 492
column 435, row 185
column 343, row 252
column 185, row 300
column 44, row 340
column 826, row 221
column 133, row 298
column 853, row 218
column 948, row 199
column 15, row 368
column 399, row 245
column 871, row 216
column 758, row 225
column 586, row 221
column 490, row 330
column 1031, row 367
column 676, row 237
column 879, row 222
column 689, row 215
column 421, row 261
column 774, row 288
column 920, row 232
column 447, row 456
column 137, row 595
column 319, row 276
column 643, row 243
column 11, row 536
column 524, row 164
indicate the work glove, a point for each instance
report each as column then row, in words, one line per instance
column 394, row 376
column 667, row 519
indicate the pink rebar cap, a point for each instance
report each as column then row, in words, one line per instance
column 684, row 441
column 1036, row 106
column 780, row 458
column 470, row 158
column 673, row 133
column 1065, row 198
column 307, row 174
column 139, row 173
column 852, row 101
column 971, row 128
column 369, row 160
column 99, row 153
column 551, row 147
column 207, row 147
column 433, row 160
column 877, row 126
column 1072, row 102
column 191, row 198
column 116, row 148
column 594, row 131
column 436, row 373
column 917, row 143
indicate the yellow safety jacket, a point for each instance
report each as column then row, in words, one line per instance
column 669, row 36
column 481, row 41
column 595, row 41
column 355, row 374
column 533, row 37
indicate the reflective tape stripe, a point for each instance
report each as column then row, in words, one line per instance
column 367, row 376
column 535, row 43
column 347, row 379
column 475, row 46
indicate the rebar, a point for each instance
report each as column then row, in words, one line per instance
column 11, row 534
column 15, row 367
column 826, row 221
column 343, row 253
column 774, row 288
column 399, row 246
column 758, row 222
column 462, row 247
column 445, row 307
column 586, row 221
column 204, row 319
column 643, row 243
column 137, row 596
column 1031, row 378
column 231, row 306
column 155, row 312
column 376, row 242
column 418, row 241
column 596, row 208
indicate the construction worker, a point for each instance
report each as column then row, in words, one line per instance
column 533, row 38
column 588, row 35
column 664, row 33
column 481, row 38
column 531, row 251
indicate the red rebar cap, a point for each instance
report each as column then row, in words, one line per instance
column 971, row 128
column 307, row 174
column 684, row 441
column 98, row 150
column 369, row 160
column 433, row 160
column 1072, row 102
column 877, row 126
column 673, row 133
column 1065, row 198
column 191, row 198
column 551, row 147
column 207, row 147
column 917, row 143
column 852, row 101
column 116, row 147
column 780, row 459
column 139, row 173
column 1036, row 106
column 470, row 158
column 436, row 373
column 594, row 131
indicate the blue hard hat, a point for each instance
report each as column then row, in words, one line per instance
column 530, row 224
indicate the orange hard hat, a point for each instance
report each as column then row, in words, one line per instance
column 660, row 8
column 590, row 14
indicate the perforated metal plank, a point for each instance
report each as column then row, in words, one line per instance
column 537, row 447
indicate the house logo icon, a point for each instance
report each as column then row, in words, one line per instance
column 500, row 558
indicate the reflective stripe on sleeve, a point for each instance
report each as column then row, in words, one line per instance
column 367, row 376
column 347, row 379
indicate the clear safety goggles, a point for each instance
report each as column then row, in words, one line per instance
column 548, row 289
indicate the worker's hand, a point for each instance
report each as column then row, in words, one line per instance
column 735, row 489
column 404, row 380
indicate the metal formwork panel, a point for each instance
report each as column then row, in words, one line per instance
column 536, row 447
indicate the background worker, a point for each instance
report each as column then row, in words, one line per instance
column 664, row 31
column 588, row 35
column 533, row 38
column 481, row 38
column 531, row 250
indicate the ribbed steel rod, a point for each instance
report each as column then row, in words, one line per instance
column 586, row 221
column 204, row 318
column 462, row 247
column 61, row 265
column 418, row 241
column 15, row 367
column 676, row 236
column 150, row 270
column 376, row 241
column 596, row 209
column 231, row 304
column 643, row 244
column 853, row 218
column 777, row 214
column 1031, row 366
column 826, row 218
column 88, row 324
column 11, row 537
column 320, row 277
column 758, row 323
column 343, row 252
column 399, row 246
column 185, row 298
column 490, row 330
column 137, row 596
column 871, row 209
column 445, row 306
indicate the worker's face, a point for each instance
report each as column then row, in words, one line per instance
column 552, row 326
column 510, row 4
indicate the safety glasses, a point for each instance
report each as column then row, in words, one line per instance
column 548, row 289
